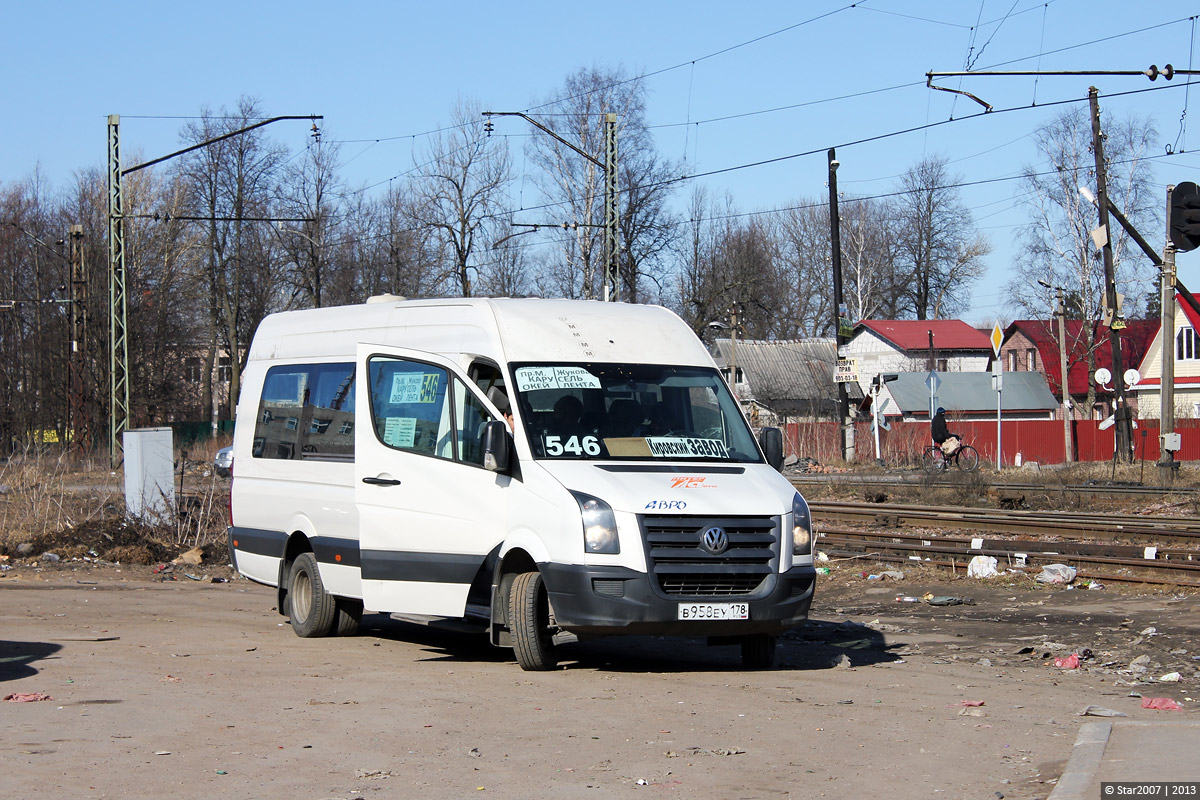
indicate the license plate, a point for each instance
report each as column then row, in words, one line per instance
column 714, row 611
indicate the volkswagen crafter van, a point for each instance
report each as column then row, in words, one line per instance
column 540, row 468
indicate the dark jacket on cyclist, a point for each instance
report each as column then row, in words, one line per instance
column 939, row 431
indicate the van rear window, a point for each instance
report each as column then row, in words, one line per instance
column 306, row 412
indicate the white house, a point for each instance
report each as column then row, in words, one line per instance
column 905, row 346
column 1184, row 346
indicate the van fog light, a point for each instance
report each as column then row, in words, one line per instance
column 599, row 525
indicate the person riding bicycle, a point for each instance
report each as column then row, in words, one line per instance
column 942, row 436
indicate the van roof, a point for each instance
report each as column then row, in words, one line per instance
column 508, row 329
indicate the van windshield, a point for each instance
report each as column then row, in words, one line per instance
column 631, row 411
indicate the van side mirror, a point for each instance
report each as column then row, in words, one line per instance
column 771, row 442
column 497, row 446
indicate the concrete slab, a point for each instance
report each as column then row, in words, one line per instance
column 1127, row 750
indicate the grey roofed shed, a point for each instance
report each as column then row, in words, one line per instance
column 793, row 377
column 970, row 393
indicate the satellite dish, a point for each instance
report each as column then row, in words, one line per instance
column 1103, row 376
column 1132, row 377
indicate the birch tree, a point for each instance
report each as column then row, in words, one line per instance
column 1056, row 243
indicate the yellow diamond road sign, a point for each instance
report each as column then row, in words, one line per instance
column 997, row 338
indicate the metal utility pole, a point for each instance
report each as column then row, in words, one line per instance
column 118, row 305
column 1166, row 384
column 846, row 427
column 81, row 433
column 612, row 231
column 1061, row 312
column 612, row 250
column 118, row 344
column 1120, row 410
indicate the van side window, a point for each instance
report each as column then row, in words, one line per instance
column 471, row 416
column 306, row 412
column 410, row 406
column 421, row 408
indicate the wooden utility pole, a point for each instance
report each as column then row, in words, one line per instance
column 1123, row 451
column 80, row 427
column 845, row 425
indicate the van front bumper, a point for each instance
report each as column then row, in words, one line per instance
column 616, row 600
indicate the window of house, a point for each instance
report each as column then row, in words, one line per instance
column 1031, row 359
column 1187, row 345
column 943, row 365
column 224, row 370
column 191, row 370
column 1012, row 360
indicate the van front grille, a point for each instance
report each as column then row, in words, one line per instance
column 682, row 567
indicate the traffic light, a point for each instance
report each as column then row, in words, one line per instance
column 1184, row 216
column 886, row 377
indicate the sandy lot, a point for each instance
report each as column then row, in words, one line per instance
column 198, row 689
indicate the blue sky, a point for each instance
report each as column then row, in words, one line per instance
column 729, row 84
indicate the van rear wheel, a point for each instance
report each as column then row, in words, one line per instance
column 310, row 607
column 758, row 651
column 529, row 623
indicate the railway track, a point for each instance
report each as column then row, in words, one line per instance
column 1043, row 523
column 1105, row 547
column 919, row 479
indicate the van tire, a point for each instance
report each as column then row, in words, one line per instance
column 310, row 608
column 529, row 623
column 759, row 651
column 346, row 616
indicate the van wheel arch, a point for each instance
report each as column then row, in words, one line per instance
column 514, row 563
column 297, row 543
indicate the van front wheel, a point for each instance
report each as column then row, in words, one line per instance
column 310, row 607
column 529, row 623
column 758, row 651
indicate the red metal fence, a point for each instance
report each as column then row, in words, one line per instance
column 1035, row 440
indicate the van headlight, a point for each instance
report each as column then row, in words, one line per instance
column 802, row 532
column 599, row 525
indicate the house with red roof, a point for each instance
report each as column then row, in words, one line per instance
column 1031, row 345
column 917, row 345
column 1184, row 347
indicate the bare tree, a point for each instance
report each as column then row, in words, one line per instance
column 575, row 185
column 803, row 235
column 230, row 183
column 938, row 251
column 310, row 191
column 869, row 284
column 461, row 188
column 1056, row 243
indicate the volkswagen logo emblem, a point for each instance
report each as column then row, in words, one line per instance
column 714, row 540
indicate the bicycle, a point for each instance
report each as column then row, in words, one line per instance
column 966, row 458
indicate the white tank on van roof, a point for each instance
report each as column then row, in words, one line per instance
column 512, row 329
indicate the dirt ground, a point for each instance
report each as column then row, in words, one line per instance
column 191, row 688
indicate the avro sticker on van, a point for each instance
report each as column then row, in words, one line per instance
column 666, row 505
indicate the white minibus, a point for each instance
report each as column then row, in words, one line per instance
column 542, row 469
